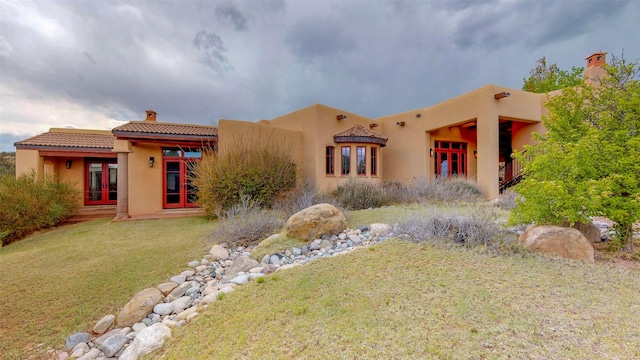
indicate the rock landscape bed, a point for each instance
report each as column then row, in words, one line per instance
column 145, row 322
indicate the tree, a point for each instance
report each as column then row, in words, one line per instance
column 8, row 163
column 588, row 162
column 543, row 78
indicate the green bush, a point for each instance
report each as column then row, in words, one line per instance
column 30, row 204
column 358, row 195
column 7, row 163
column 246, row 224
column 261, row 172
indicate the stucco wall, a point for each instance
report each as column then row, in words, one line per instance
column 407, row 153
column 145, row 183
column 28, row 160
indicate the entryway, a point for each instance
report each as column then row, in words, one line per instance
column 179, row 192
column 101, row 182
column 450, row 158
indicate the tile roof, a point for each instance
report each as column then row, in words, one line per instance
column 69, row 140
column 360, row 131
column 149, row 127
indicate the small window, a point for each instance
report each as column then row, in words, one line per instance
column 361, row 160
column 374, row 161
column 330, row 160
column 171, row 152
column 346, row 160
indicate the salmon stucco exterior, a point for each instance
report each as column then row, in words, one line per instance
column 143, row 167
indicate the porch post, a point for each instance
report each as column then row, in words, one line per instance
column 488, row 153
column 122, row 208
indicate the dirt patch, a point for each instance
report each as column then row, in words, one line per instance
column 605, row 254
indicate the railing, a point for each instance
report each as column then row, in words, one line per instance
column 511, row 173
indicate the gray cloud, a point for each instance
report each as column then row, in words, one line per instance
column 86, row 63
column 230, row 14
column 530, row 23
column 316, row 38
column 212, row 48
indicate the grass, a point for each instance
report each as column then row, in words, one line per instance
column 395, row 300
column 62, row 281
column 420, row 301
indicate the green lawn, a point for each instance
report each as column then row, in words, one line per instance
column 396, row 300
column 62, row 281
column 401, row 300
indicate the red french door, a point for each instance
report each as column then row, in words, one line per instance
column 450, row 158
column 101, row 182
column 179, row 191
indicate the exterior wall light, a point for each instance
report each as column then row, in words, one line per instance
column 151, row 161
column 501, row 95
column 400, row 123
column 431, row 152
column 68, row 164
column 341, row 117
column 475, row 154
column 374, row 125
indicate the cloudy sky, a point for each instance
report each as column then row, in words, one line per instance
column 91, row 64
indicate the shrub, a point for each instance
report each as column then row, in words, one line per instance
column 246, row 224
column 443, row 189
column 478, row 229
column 30, row 204
column 507, row 200
column 358, row 195
column 299, row 198
column 396, row 192
column 261, row 172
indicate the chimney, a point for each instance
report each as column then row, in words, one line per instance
column 151, row 116
column 594, row 70
column 596, row 59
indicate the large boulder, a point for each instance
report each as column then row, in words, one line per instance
column 139, row 307
column 219, row 253
column 241, row 263
column 559, row 241
column 317, row 220
column 589, row 230
column 147, row 340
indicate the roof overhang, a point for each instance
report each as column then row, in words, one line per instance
column 360, row 139
column 167, row 139
column 66, row 151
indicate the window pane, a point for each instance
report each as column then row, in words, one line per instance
column 361, row 157
column 374, row 161
column 193, row 154
column 346, row 161
column 171, row 152
column 329, row 166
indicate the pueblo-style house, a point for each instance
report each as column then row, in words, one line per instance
column 141, row 168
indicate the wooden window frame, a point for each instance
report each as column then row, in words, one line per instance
column 361, row 155
column 330, row 162
column 374, row 161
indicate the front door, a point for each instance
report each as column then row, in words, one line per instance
column 179, row 191
column 101, row 182
column 450, row 158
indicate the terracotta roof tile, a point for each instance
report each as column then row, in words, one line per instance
column 360, row 131
column 148, row 127
column 69, row 140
